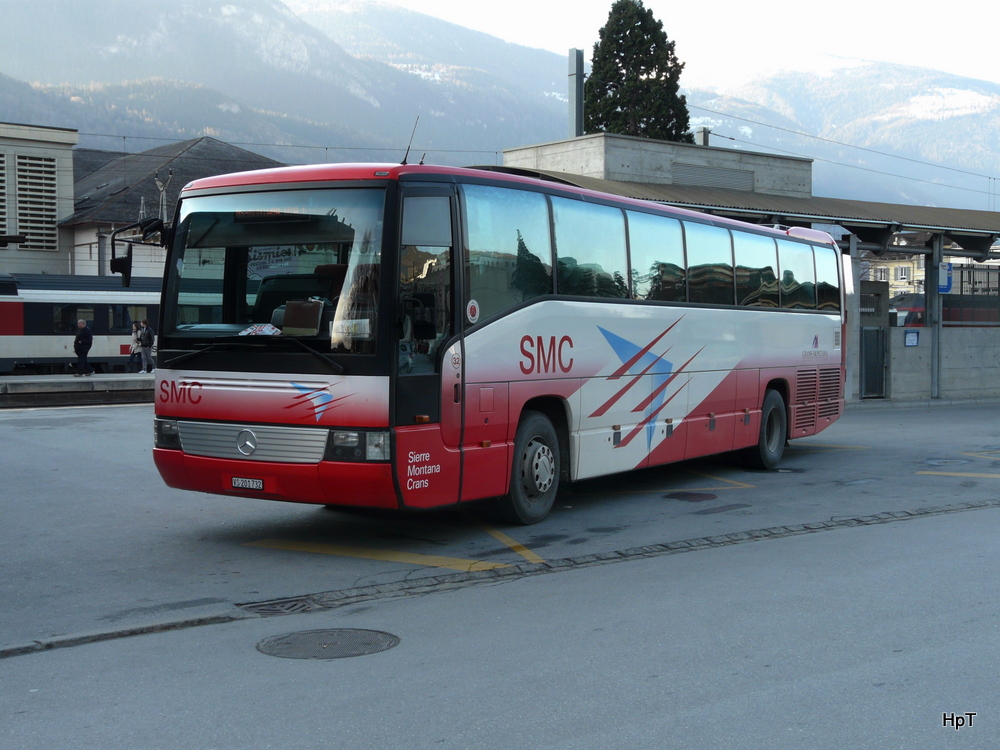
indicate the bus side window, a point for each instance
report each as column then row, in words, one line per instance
column 590, row 245
column 798, row 275
column 509, row 250
column 657, row 247
column 827, row 284
column 710, row 264
column 756, row 270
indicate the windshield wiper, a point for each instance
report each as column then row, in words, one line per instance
column 335, row 366
column 257, row 342
column 205, row 349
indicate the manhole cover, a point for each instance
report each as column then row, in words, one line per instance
column 327, row 644
column 690, row 497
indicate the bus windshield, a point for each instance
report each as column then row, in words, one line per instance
column 290, row 263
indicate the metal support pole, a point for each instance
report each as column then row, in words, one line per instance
column 102, row 254
column 575, row 93
column 932, row 308
column 853, row 343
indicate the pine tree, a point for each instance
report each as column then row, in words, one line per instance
column 633, row 88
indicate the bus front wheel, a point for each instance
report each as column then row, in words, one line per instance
column 534, row 474
column 773, row 433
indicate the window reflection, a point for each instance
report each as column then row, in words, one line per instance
column 657, row 247
column 756, row 270
column 590, row 244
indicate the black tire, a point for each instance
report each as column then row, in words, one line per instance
column 773, row 433
column 534, row 472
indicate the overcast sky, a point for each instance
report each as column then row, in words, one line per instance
column 723, row 41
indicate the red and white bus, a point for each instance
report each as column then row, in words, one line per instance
column 411, row 337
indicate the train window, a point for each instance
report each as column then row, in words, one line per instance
column 64, row 317
column 119, row 319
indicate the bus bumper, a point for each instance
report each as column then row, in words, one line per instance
column 367, row 485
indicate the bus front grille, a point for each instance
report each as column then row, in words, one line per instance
column 297, row 445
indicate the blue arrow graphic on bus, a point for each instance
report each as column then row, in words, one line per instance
column 320, row 399
column 638, row 361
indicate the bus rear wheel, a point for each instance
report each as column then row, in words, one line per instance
column 534, row 474
column 773, row 433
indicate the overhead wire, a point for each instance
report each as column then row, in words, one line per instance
column 840, row 143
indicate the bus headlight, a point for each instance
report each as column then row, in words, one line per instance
column 357, row 445
column 166, row 434
column 346, row 439
column 377, row 446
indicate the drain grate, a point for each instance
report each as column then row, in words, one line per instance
column 341, row 643
column 291, row 606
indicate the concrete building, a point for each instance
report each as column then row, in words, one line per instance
column 36, row 194
column 58, row 203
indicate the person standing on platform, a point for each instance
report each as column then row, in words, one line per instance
column 81, row 346
column 146, row 338
column 135, row 349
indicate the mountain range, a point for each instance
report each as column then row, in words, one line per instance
column 352, row 80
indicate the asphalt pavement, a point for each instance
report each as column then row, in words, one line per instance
column 845, row 601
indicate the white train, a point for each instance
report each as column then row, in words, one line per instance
column 38, row 314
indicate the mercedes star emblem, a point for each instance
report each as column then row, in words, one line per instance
column 246, row 442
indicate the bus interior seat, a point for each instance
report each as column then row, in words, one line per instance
column 302, row 317
column 275, row 291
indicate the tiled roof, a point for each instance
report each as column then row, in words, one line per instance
column 112, row 189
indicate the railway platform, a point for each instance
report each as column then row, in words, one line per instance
column 69, row 390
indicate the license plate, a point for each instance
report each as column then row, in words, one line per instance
column 242, row 483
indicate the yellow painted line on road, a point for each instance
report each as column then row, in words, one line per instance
column 959, row 474
column 368, row 553
column 515, row 545
column 731, row 483
column 988, row 455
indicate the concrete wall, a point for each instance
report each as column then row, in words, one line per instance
column 970, row 364
column 50, row 143
column 630, row 159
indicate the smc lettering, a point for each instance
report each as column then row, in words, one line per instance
column 180, row 393
column 541, row 356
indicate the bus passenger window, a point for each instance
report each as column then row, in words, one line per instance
column 710, row 264
column 798, row 276
column 657, row 247
column 827, row 285
column 509, row 256
column 590, row 245
column 756, row 270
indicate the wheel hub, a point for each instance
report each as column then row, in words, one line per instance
column 538, row 468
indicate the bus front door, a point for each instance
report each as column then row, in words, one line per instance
column 430, row 368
